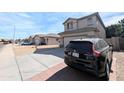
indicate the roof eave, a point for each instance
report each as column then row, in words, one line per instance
column 69, row 19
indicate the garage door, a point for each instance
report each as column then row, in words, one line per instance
column 52, row 41
column 68, row 39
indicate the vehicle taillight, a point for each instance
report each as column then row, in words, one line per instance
column 96, row 53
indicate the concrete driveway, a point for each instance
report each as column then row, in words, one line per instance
column 41, row 60
column 23, row 67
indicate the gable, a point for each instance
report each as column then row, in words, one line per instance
column 69, row 19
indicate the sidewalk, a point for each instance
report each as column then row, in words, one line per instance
column 1, row 46
column 8, row 67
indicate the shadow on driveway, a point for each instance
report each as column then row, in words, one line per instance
column 70, row 74
column 59, row 52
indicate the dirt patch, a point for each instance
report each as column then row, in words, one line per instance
column 48, row 46
column 23, row 50
column 120, row 65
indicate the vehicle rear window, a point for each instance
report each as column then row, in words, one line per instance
column 84, row 47
column 100, row 44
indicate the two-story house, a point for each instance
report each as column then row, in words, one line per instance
column 78, row 28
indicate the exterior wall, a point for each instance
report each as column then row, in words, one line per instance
column 52, row 41
column 74, row 25
column 88, row 33
column 68, row 38
column 61, row 41
column 82, row 23
column 102, row 33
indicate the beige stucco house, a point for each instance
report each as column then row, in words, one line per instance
column 78, row 28
column 39, row 39
column 49, row 39
column 52, row 39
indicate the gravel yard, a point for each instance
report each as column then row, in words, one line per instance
column 120, row 65
column 23, row 50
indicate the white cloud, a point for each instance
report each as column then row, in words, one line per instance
column 113, row 20
column 43, row 23
column 25, row 15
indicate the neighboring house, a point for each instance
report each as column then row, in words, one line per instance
column 31, row 39
column 78, row 28
column 52, row 39
column 49, row 39
column 39, row 39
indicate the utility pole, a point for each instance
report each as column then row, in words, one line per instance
column 14, row 35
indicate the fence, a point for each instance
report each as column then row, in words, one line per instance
column 117, row 42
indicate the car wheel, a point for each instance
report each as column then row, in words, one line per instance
column 107, row 72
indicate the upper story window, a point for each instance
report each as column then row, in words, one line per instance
column 70, row 25
column 90, row 21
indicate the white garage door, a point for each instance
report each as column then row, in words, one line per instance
column 68, row 39
column 52, row 41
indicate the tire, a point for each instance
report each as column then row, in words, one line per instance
column 107, row 72
column 68, row 63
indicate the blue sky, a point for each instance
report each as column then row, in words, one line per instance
column 44, row 22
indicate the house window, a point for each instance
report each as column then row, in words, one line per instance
column 90, row 21
column 70, row 25
column 67, row 25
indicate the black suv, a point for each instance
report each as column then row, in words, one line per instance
column 90, row 54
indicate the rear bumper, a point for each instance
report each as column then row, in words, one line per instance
column 90, row 67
